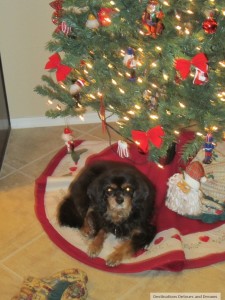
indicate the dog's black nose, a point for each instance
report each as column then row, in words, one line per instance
column 119, row 199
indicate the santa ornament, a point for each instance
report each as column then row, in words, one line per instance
column 76, row 87
column 199, row 62
column 68, row 139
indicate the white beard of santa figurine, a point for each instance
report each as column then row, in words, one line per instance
column 184, row 194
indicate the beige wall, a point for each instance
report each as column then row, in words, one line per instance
column 25, row 28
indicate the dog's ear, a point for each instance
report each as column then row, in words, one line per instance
column 94, row 191
column 144, row 193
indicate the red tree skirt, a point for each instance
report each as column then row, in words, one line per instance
column 180, row 243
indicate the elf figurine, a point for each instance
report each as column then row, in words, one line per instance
column 68, row 139
column 208, row 148
column 152, row 19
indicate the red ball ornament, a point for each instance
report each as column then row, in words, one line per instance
column 104, row 16
column 210, row 25
column 56, row 17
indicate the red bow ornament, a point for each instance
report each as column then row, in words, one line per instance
column 61, row 70
column 200, row 62
column 153, row 135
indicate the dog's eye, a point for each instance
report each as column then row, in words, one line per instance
column 109, row 190
column 128, row 189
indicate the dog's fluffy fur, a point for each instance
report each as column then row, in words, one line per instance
column 111, row 197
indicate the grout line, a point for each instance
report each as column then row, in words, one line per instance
column 22, row 247
column 7, row 269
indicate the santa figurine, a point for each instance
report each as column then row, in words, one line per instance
column 68, row 139
column 184, row 194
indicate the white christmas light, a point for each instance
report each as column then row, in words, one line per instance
column 121, row 91
column 137, row 106
column 81, row 117
column 178, row 27
column 199, row 134
column 50, row 101
column 154, row 117
column 89, row 65
column 182, row 105
column 176, row 132
column 160, row 166
column 114, row 82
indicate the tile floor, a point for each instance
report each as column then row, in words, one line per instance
column 25, row 249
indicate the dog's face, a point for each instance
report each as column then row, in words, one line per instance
column 117, row 193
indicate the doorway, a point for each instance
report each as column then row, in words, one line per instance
column 5, row 126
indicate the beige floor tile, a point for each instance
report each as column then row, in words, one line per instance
column 26, row 145
column 9, row 284
column 15, row 180
column 6, row 170
column 36, row 168
column 19, row 225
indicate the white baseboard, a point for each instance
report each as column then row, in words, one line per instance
column 90, row 117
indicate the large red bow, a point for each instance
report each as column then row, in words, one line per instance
column 61, row 70
column 153, row 135
column 198, row 61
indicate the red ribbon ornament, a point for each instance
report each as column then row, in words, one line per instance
column 183, row 66
column 61, row 70
column 153, row 135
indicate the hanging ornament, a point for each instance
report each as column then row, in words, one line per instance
column 105, row 15
column 208, row 147
column 130, row 62
column 76, row 86
column 63, row 27
column 122, row 149
column 56, row 17
column 68, row 139
column 200, row 62
column 210, row 25
column 92, row 22
column 151, row 99
column 152, row 19
column 129, row 59
column 62, row 71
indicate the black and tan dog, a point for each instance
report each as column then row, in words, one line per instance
column 111, row 197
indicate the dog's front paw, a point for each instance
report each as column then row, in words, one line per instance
column 94, row 250
column 114, row 259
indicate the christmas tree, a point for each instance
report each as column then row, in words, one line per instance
column 157, row 65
